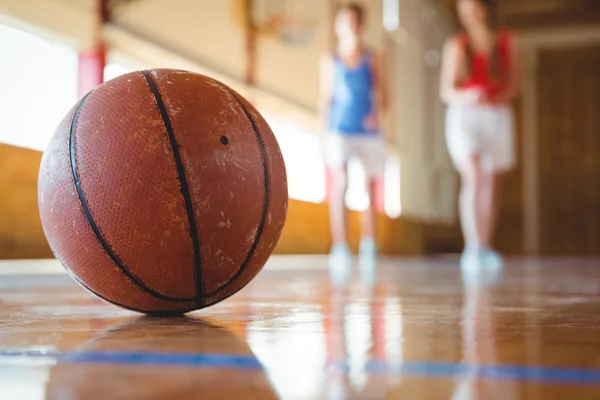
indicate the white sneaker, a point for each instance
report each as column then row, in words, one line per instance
column 471, row 259
column 367, row 262
column 340, row 260
column 480, row 267
column 492, row 259
column 368, row 248
column 340, row 251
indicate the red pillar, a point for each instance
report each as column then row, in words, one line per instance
column 92, row 61
column 91, row 68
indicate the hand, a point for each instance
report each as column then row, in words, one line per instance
column 500, row 98
column 474, row 96
column 370, row 122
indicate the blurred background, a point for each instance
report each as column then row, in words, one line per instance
column 53, row 51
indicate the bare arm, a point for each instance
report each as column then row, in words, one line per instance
column 325, row 89
column 452, row 59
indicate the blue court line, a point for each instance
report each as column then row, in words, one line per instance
column 165, row 359
column 409, row 368
column 487, row 372
column 149, row 359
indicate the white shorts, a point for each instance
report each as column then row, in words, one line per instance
column 484, row 130
column 369, row 149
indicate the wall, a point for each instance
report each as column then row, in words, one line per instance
column 568, row 85
column 291, row 72
column 211, row 32
column 21, row 234
column 510, row 233
column 162, row 32
column 306, row 230
column 71, row 21
column 429, row 182
column 534, row 123
column 208, row 36
column 205, row 36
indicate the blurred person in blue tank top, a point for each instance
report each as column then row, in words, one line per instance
column 352, row 98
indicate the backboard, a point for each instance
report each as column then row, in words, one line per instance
column 291, row 22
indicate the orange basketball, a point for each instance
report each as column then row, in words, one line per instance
column 163, row 191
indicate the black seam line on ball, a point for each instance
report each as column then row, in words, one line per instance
column 266, row 198
column 183, row 185
column 92, row 223
column 86, row 287
column 138, row 310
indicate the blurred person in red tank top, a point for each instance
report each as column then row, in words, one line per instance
column 480, row 79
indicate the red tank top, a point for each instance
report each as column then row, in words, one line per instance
column 480, row 69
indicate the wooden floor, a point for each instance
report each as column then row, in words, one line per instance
column 408, row 329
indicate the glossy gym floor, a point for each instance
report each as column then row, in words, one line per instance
column 402, row 329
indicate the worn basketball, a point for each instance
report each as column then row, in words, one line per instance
column 163, row 191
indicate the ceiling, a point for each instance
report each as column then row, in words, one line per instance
column 516, row 14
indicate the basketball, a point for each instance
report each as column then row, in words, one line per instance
column 163, row 191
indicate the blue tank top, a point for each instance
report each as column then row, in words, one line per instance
column 352, row 97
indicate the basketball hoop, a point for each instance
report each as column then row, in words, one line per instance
column 296, row 32
column 283, row 20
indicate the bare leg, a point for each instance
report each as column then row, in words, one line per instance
column 468, row 204
column 487, row 207
column 369, row 216
column 368, row 246
column 488, row 210
column 338, row 216
column 340, row 256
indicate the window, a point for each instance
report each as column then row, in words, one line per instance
column 304, row 162
column 113, row 70
column 39, row 85
column 392, row 201
column 38, row 78
column 303, row 155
